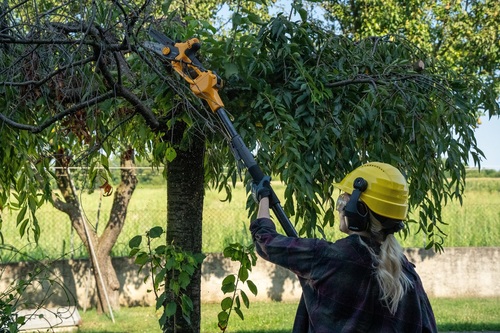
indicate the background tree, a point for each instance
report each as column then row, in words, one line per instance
column 462, row 34
column 98, row 246
column 314, row 104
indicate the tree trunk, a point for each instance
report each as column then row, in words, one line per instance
column 99, row 248
column 185, row 192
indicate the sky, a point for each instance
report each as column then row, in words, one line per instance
column 488, row 140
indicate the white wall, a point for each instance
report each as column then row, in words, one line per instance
column 458, row 272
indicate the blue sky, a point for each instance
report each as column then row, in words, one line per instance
column 488, row 140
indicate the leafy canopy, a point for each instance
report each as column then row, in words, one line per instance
column 316, row 105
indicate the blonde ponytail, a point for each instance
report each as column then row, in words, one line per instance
column 389, row 273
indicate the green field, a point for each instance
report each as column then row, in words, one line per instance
column 451, row 315
column 476, row 223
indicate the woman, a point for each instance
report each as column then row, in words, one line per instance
column 361, row 283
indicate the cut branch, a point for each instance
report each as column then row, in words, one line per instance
column 60, row 70
column 371, row 80
column 59, row 116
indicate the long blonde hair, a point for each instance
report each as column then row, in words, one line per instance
column 391, row 279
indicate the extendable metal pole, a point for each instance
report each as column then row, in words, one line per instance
column 254, row 170
column 205, row 84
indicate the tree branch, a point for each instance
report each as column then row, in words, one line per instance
column 371, row 80
column 142, row 109
column 37, row 129
column 120, row 90
column 49, row 76
column 5, row 39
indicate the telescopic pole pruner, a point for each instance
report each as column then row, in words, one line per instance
column 206, row 84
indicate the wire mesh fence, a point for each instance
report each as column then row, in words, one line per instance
column 58, row 240
column 473, row 224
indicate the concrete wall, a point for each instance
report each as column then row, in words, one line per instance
column 458, row 272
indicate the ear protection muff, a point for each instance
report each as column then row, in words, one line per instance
column 356, row 211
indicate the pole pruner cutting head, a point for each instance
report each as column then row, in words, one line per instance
column 204, row 83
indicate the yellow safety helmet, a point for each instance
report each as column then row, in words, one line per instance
column 387, row 191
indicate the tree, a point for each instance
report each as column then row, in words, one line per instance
column 328, row 103
column 75, row 91
column 314, row 104
column 50, row 96
column 98, row 246
column 464, row 35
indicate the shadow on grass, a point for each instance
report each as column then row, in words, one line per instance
column 261, row 331
column 467, row 327
column 459, row 327
column 446, row 327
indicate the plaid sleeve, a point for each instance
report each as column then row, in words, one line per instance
column 295, row 254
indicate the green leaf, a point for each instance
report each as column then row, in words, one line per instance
column 161, row 275
column 133, row 252
column 21, row 215
column 21, row 181
column 36, row 229
column 161, row 249
column 105, row 162
column 223, row 316
column 170, row 309
column 245, row 299
column 170, row 154
column 135, row 241
column 243, row 274
column 229, row 280
column 160, row 300
column 199, row 257
column 22, row 227
column 238, row 302
column 254, row 18
column 252, row 287
column 236, row 19
column 184, row 280
column 187, row 304
column 155, row 232
column 174, row 286
column 239, row 313
column 228, row 252
column 226, row 303
column 170, row 263
column 163, row 319
column 165, row 7
column 186, row 317
column 189, row 268
column 228, row 288
column 142, row 258
column 303, row 14
column 230, row 69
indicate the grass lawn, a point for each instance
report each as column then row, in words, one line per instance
column 478, row 314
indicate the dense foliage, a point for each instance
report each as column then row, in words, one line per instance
column 318, row 105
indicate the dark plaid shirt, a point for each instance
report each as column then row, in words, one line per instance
column 339, row 290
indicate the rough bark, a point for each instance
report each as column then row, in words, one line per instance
column 185, row 191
